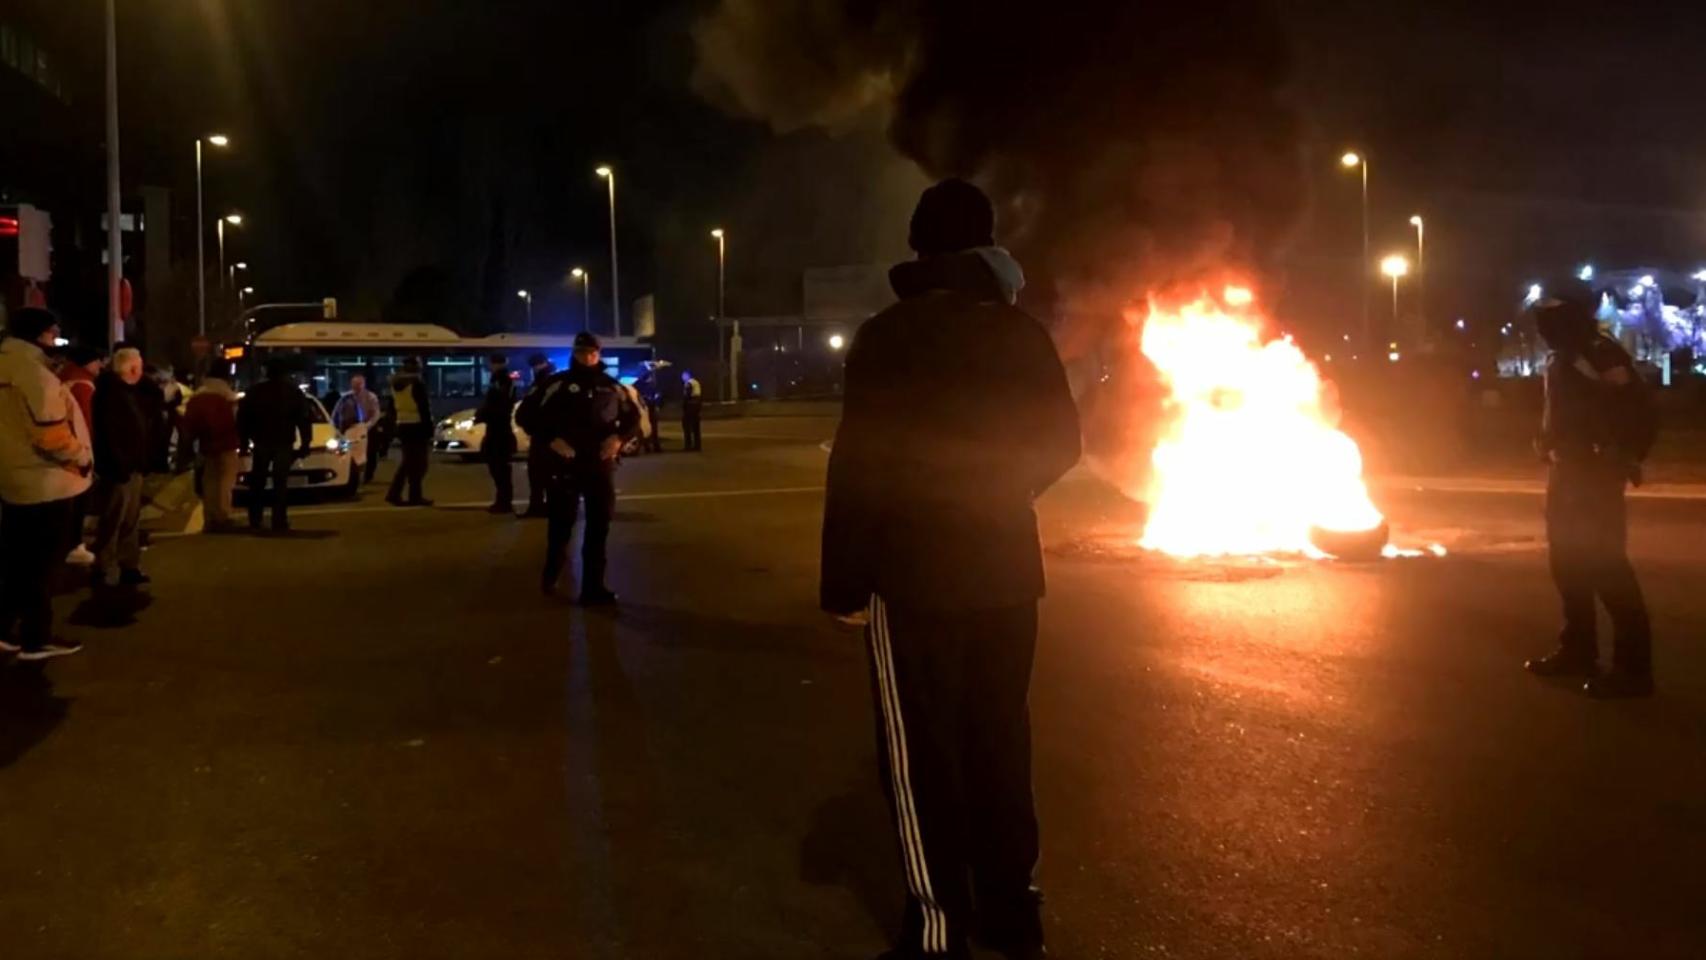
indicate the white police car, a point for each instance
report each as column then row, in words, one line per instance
column 459, row 436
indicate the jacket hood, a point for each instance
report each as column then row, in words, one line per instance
column 985, row 274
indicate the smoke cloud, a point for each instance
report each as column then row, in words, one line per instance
column 1130, row 146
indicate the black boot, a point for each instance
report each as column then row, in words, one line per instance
column 597, row 597
column 1563, row 662
column 1619, row 684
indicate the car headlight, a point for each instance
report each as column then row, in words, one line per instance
column 447, row 424
column 467, row 424
column 337, row 445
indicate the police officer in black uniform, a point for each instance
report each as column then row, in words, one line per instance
column 583, row 417
column 1597, row 427
column 538, row 457
column 497, row 447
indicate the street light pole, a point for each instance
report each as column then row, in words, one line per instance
column 1395, row 266
column 615, row 276
column 527, row 299
column 1354, row 159
column 1421, row 277
column 580, row 273
column 733, row 389
column 218, row 140
column 115, row 237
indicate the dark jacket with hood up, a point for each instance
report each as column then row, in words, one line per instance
column 957, row 414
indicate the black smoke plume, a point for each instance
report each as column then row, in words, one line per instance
column 1130, row 146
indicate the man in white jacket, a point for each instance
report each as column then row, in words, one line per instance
column 45, row 461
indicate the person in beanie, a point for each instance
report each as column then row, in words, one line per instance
column 45, row 462
column 582, row 417
column 497, row 447
column 930, row 540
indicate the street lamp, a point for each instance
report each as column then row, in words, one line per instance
column 241, row 294
column 236, row 220
column 722, row 315
column 239, row 265
column 527, row 298
column 218, row 140
column 586, row 295
column 837, row 341
column 609, row 176
column 1353, row 160
column 1585, row 273
column 1396, row 267
column 1421, row 276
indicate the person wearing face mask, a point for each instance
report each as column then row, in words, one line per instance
column 1597, row 427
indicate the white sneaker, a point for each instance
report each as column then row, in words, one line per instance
column 80, row 556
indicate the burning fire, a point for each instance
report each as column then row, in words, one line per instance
column 1251, row 457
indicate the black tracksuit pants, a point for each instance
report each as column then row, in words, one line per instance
column 1587, row 534
column 954, row 749
column 569, row 485
column 416, row 441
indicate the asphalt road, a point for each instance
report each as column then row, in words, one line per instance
column 375, row 739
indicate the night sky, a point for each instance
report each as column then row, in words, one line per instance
column 421, row 159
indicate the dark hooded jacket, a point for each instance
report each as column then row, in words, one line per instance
column 957, row 415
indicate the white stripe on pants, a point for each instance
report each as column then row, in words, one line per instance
column 900, row 776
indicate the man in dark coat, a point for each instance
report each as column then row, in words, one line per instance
column 276, row 422
column 125, row 432
column 497, row 447
column 930, row 538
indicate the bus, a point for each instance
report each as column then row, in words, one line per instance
column 327, row 353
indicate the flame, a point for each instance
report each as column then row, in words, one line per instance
column 1251, row 457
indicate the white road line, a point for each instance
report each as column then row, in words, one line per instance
column 621, row 498
column 1533, row 488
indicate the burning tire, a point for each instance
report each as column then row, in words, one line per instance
column 1355, row 545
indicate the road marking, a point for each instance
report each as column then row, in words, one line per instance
column 1533, row 488
column 620, row 498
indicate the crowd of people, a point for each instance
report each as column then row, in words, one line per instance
column 86, row 438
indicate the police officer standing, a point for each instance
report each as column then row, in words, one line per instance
column 692, row 405
column 582, row 417
column 497, row 447
column 1597, row 427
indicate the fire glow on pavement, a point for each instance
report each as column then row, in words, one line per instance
column 1250, row 460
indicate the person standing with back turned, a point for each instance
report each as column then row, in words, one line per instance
column 497, row 446
column 271, row 415
column 414, row 434
column 930, row 538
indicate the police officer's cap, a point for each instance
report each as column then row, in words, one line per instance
column 1566, row 294
column 586, row 341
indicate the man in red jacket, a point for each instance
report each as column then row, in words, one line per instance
column 209, row 428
